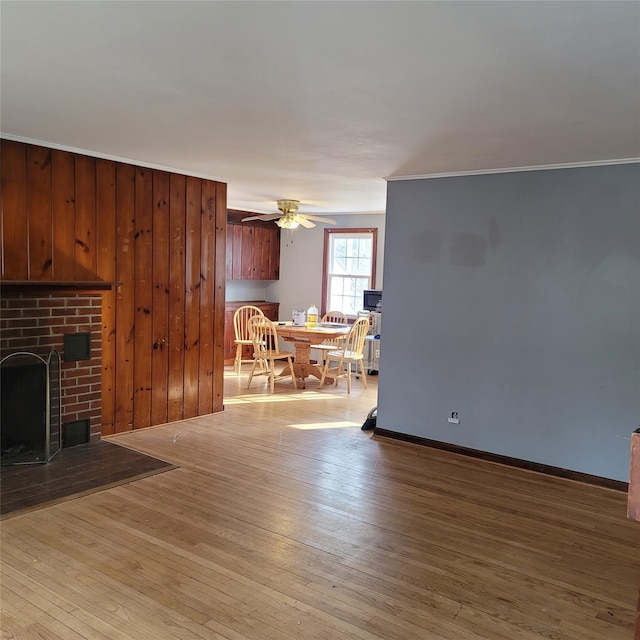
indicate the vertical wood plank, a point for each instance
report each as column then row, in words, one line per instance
column 207, row 293
column 266, row 254
column 247, row 253
column 256, row 260
column 160, row 316
column 63, row 214
column 237, row 251
column 177, row 271
column 85, row 219
column 105, row 270
column 15, row 235
column 219, row 273
column 229, row 252
column 192, row 297
column 39, row 212
column 265, row 258
column 274, row 266
column 125, row 300
column 143, row 264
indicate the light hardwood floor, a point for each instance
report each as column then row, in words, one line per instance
column 285, row 520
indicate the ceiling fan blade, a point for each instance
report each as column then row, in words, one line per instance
column 268, row 216
column 304, row 222
column 318, row 218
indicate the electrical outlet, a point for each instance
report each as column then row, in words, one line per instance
column 377, row 353
column 454, row 418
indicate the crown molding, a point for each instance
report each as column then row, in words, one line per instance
column 541, row 167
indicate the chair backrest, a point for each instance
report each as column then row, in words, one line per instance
column 356, row 337
column 241, row 318
column 334, row 316
column 263, row 335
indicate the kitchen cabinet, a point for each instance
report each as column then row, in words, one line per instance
column 270, row 309
column 253, row 249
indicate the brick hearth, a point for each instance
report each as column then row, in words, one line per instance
column 37, row 323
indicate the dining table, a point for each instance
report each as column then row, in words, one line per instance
column 303, row 338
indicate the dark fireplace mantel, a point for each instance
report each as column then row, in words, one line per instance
column 51, row 286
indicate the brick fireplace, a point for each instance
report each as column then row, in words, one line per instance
column 37, row 323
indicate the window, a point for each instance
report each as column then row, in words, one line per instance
column 349, row 268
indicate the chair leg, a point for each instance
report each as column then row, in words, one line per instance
column 272, row 376
column 324, row 371
column 364, row 375
column 253, row 368
column 348, row 377
column 237, row 365
column 338, row 370
column 293, row 373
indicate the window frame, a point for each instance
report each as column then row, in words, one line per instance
column 325, row 259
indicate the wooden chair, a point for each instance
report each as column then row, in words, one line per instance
column 242, row 336
column 352, row 351
column 334, row 316
column 331, row 345
column 265, row 350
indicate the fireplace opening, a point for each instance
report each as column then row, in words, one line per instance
column 30, row 408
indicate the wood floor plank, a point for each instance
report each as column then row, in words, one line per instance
column 283, row 520
column 128, row 615
column 61, row 622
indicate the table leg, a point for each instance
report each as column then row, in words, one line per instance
column 302, row 364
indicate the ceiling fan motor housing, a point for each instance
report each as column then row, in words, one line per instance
column 288, row 206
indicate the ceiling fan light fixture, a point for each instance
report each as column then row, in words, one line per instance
column 288, row 222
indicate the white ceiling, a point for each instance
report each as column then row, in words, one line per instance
column 321, row 101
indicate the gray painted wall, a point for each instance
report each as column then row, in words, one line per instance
column 246, row 290
column 522, row 291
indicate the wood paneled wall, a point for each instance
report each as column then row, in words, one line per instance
column 160, row 237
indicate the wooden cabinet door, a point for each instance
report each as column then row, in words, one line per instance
column 273, row 272
column 267, row 253
column 234, row 252
column 270, row 309
column 260, row 254
column 229, row 253
column 246, row 266
column 229, row 336
column 253, row 252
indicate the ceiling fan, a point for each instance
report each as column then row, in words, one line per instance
column 289, row 218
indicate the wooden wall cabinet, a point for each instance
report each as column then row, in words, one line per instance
column 270, row 309
column 253, row 248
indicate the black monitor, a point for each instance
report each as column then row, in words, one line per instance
column 372, row 300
